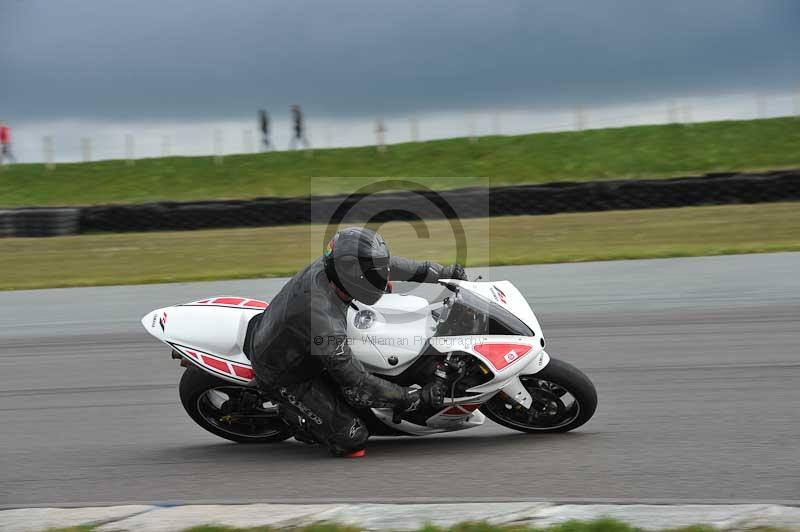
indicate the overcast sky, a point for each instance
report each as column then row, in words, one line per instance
column 179, row 61
column 112, row 59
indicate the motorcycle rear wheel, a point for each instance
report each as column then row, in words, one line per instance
column 563, row 399
column 215, row 405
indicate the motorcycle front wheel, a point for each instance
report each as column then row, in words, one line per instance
column 231, row 411
column 563, row 399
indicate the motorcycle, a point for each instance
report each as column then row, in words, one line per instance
column 482, row 342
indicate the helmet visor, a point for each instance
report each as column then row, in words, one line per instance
column 376, row 271
column 364, row 280
column 377, row 277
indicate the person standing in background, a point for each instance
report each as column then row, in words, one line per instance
column 299, row 128
column 264, row 125
column 5, row 144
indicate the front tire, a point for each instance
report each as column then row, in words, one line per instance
column 563, row 399
column 229, row 410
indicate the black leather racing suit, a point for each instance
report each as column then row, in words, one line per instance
column 299, row 357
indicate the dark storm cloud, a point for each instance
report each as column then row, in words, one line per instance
column 121, row 59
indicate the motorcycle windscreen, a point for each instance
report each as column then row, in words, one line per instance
column 471, row 314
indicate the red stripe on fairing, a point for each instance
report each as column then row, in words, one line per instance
column 461, row 410
column 233, row 302
column 228, row 301
column 242, row 371
column 501, row 355
column 216, row 364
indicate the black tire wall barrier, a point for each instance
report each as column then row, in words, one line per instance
column 712, row 189
column 39, row 222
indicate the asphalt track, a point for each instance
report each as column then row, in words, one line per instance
column 696, row 361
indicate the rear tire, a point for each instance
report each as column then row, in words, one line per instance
column 194, row 390
column 564, row 377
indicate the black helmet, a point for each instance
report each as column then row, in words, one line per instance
column 357, row 262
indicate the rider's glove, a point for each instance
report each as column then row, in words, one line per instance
column 431, row 394
column 456, row 271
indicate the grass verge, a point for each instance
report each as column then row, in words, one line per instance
column 599, row 525
column 615, row 153
column 133, row 258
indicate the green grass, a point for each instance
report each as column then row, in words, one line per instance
column 599, row 525
column 630, row 152
column 132, row 258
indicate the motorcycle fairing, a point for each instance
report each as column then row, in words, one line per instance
column 208, row 333
column 517, row 361
column 219, row 366
column 394, row 336
column 517, row 354
column 443, row 421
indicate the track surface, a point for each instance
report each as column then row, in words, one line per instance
column 696, row 361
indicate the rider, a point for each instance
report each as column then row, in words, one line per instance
column 299, row 350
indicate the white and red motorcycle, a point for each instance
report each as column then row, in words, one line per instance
column 482, row 342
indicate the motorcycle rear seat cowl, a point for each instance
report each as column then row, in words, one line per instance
column 217, row 330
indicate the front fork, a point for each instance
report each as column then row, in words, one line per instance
column 515, row 390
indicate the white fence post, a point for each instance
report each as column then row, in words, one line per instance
column 328, row 138
column 580, row 118
column 247, row 141
column 497, row 124
column 672, row 112
column 217, row 146
column 86, row 149
column 308, row 151
column 165, row 146
column 380, row 135
column 414, row 126
column 130, row 150
column 48, row 152
column 797, row 103
column 471, row 128
column 686, row 111
column 761, row 105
